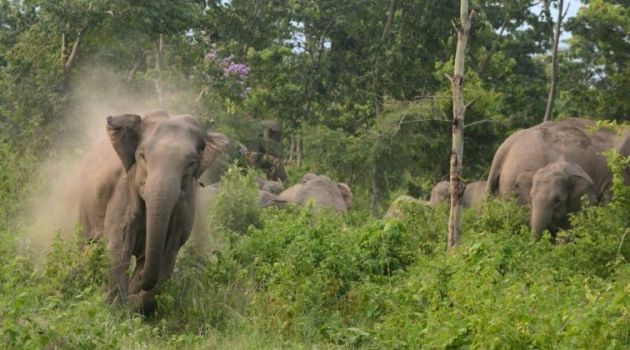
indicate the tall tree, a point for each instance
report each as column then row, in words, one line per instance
column 459, row 113
column 554, row 53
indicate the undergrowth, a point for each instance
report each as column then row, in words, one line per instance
column 295, row 279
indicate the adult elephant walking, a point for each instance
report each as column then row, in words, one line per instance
column 576, row 145
column 139, row 192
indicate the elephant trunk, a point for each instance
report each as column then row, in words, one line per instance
column 540, row 220
column 161, row 195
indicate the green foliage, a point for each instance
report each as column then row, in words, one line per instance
column 236, row 205
column 362, row 87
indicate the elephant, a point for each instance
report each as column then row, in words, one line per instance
column 275, row 187
column 233, row 151
column 138, row 191
column 557, row 189
column 474, row 194
column 273, row 167
column 263, row 151
column 394, row 210
column 268, row 199
column 441, row 193
column 321, row 190
column 576, row 141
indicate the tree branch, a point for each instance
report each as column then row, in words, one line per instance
column 75, row 46
column 135, row 67
column 390, row 19
column 159, row 47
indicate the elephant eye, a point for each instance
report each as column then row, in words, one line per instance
column 192, row 164
column 141, row 155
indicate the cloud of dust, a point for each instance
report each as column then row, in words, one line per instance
column 53, row 208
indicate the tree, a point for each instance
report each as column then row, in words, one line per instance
column 459, row 113
column 598, row 61
column 554, row 53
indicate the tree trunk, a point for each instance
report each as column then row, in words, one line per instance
column 554, row 60
column 159, row 48
column 376, row 191
column 298, row 150
column 459, row 112
column 136, row 65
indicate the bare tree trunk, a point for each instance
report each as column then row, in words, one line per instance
column 75, row 46
column 298, row 150
column 159, row 49
column 459, row 113
column 376, row 191
column 554, row 57
column 73, row 53
column 291, row 150
column 63, row 45
column 135, row 67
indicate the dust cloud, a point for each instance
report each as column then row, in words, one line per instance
column 53, row 206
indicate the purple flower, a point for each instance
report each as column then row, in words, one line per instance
column 236, row 68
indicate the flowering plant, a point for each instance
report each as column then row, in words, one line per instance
column 227, row 76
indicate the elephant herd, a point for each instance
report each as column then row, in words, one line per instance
column 550, row 168
column 139, row 189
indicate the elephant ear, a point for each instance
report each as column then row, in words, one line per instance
column 580, row 184
column 214, row 146
column 124, row 134
column 346, row 193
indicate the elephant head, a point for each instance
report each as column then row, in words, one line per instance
column 441, row 193
column 346, row 193
column 557, row 190
column 163, row 156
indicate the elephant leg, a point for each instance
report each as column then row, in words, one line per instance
column 144, row 301
column 118, row 279
column 120, row 248
column 135, row 282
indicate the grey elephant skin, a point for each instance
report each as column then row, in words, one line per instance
column 575, row 141
column 139, row 192
column 474, row 194
column 320, row 189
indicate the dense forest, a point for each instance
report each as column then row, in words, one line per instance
column 360, row 91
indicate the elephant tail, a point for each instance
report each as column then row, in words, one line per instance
column 493, row 180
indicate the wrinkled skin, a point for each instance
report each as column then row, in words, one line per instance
column 577, row 141
column 139, row 192
column 557, row 190
column 474, row 194
column 321, row 190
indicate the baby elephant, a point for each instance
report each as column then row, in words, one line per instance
column 556, row 191
column 474, row 194
column 321, row 190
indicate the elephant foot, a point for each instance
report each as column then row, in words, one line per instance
column 143, row 303
column 115, row 296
